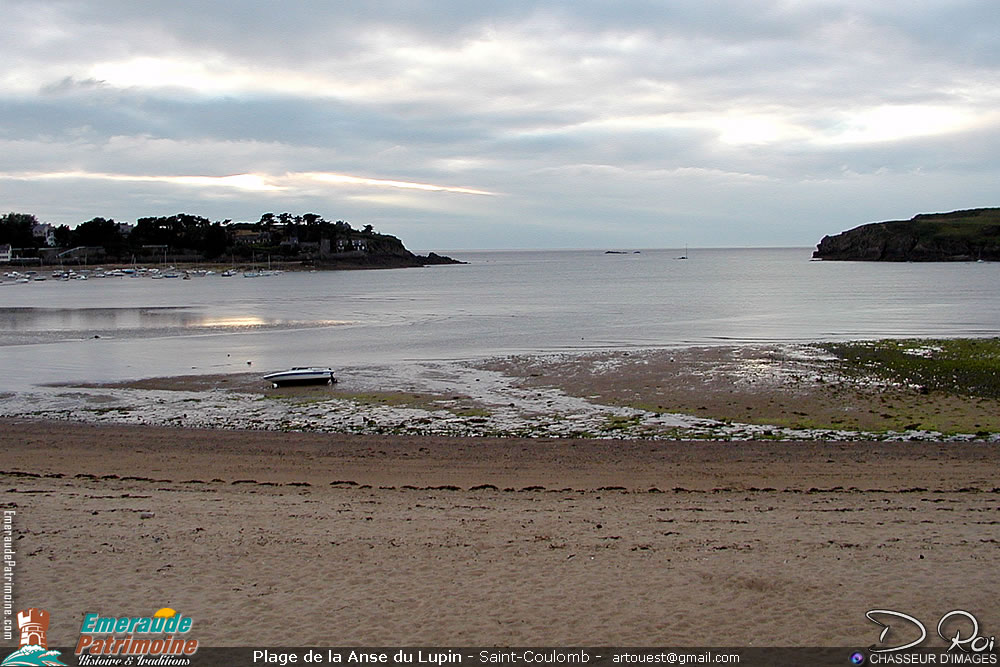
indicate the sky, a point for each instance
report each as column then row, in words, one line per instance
column 457, row 125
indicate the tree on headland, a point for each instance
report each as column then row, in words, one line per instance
column 64, row 237
column 100, row 232
column 16, row 230
column 216, row 241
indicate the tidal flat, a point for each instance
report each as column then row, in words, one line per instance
column 924, row 389
column 883, row 388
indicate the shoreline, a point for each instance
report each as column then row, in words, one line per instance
column 347, row 262
column 483, row 541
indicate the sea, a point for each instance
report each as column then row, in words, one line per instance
column 498, row 303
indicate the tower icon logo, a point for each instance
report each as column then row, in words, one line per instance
column 33, row 646
column 33, row 624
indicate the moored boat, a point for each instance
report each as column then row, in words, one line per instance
column 301, row 375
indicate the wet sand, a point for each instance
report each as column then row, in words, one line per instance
column 786, row 392
column 409, row 540
column 799, row 387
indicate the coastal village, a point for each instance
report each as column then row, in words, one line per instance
column 156, row 246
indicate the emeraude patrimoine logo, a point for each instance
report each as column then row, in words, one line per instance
column 112, row 635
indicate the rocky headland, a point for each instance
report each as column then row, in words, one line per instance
column 285, row 241
column 391, row 254
column 959, row 236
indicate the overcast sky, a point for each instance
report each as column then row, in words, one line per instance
column 460, row 124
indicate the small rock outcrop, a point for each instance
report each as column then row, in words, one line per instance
column 959, row 236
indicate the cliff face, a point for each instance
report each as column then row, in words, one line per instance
column 361, row 260
column 381, row 251
column 937, row 237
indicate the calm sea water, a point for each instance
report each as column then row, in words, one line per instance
column 499, row 303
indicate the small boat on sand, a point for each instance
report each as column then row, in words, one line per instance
column 301, row 375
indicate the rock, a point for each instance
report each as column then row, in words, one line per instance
column 937, row 237
column 434, row 258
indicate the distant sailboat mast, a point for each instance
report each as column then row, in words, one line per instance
column 685, row 255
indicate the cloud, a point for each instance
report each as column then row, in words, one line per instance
column 410, row 112
column 248, row 182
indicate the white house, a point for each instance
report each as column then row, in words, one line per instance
column 46, row 232
column 348, row 245
column 6, row 253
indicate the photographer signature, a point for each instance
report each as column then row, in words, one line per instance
column 971, row 642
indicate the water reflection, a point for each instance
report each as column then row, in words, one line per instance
column 22, row 320
column 233, row 322
column 21, row 326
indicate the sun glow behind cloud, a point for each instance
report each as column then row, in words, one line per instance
column 344, row 179
column 250, row 182
column 289, row 182
column 895, row 122
column 866, row 125
column 775, row 125
column 213, row 76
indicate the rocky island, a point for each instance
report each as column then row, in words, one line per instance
column 959, row 236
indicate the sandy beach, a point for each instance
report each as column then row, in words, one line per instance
column 397, row 540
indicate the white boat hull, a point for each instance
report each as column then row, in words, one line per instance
column 298, row 376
